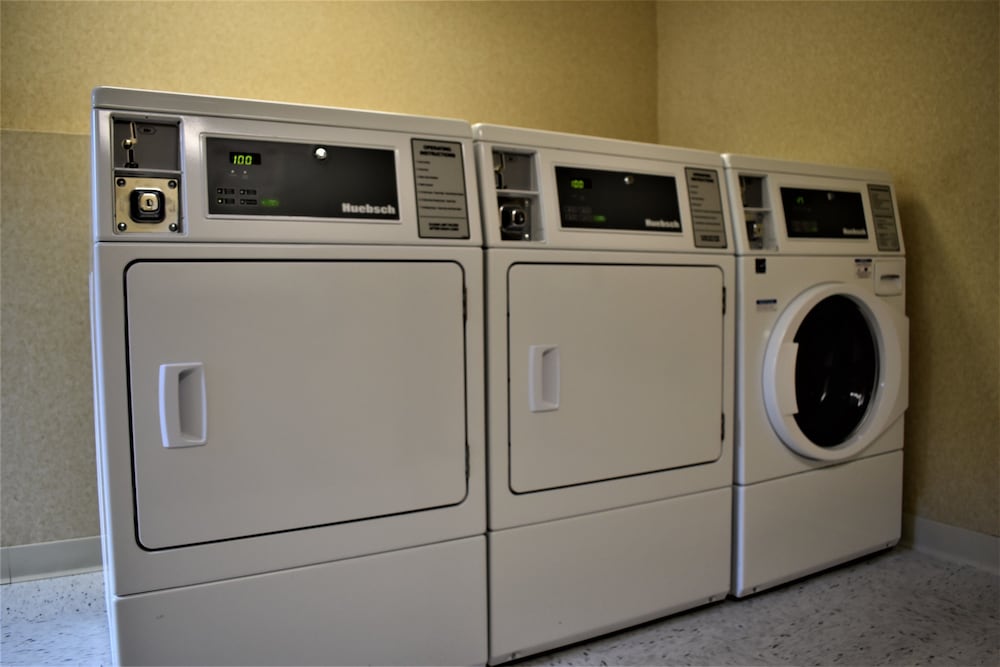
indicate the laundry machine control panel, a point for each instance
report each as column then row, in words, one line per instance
column 565, row 190
column 781, row 206
column 320, row 180
column 193, row 168
column 250, row 177
column 602, row 199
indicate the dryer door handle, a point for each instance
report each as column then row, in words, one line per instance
column 183, row 412
column 543, row 378
column 784, row 379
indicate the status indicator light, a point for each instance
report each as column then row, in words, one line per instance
column 600, row 218
column 270, row 203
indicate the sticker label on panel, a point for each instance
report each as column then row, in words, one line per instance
column 439, row 177
column 707, row 218
column 767, row 305
column 617, row 200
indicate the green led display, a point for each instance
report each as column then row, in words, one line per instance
column 271, row 203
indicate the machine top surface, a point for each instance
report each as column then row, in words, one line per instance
column 753, row 163
column 155, row 101
column 528, row 138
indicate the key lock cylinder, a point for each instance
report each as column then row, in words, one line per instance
column 146, row 160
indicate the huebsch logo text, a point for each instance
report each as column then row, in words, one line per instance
column 367, row 209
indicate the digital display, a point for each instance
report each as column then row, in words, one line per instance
column 580, row 183
column 244, row 159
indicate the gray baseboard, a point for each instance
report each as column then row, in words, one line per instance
column 952, row 543
column 49, row 559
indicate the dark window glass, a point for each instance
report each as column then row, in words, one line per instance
column 835, row 371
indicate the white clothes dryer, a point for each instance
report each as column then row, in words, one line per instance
column 822, row 367
column 610, row 329
column 288, row 365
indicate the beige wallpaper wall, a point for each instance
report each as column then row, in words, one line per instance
column 911, row 87
column 908, row 87
column 577, row 67
column 580, row 67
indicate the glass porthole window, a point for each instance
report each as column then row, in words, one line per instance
column 836, row 371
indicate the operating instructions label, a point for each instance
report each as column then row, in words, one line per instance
column 883, row 213
column 439, row 177
column 707, row 218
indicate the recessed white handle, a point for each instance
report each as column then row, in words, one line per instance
column 543, row 378
column 183, row 414
column 784, row 379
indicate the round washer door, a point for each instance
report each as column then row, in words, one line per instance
column 835, row 371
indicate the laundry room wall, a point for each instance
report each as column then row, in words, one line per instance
column 578, row 67
column 909, row 87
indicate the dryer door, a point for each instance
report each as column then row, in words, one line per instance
column 269, row 396
column 835, row 372
column 614, row 370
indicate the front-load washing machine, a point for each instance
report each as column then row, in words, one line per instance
column 288, row 353
column 822, row 367
column 610, row 330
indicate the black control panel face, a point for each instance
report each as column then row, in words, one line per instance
column 273, row 178
column 598, row 199
column 823, row 214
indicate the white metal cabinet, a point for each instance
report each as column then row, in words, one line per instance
column 287, row 309
column 609, row 330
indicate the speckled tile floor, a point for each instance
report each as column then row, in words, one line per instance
column 896, row 608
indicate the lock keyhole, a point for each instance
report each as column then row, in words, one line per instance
column 147, row 205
